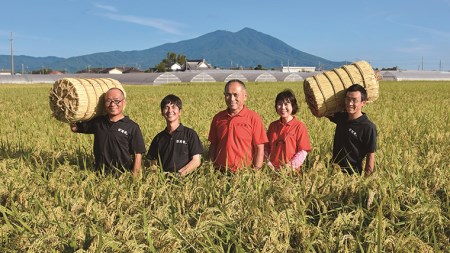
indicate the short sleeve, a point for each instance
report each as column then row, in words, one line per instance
column 212, row 136
column 137, row 142
column 303, row 139
column 372, row 139
column 259, row 133
column 195, row 145
column 152, row 153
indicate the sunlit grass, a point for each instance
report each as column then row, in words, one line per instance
column 52, row 200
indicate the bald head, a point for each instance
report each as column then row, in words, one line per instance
column 232, row 81
column 115, row 91
column 235, row 96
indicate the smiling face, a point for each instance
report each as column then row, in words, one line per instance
column 286, row 105
column 114, row 103
column 235, row 97
column 171, row 113
column 284, row 109
column 354, row 104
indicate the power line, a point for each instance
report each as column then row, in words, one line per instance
column 12, row 56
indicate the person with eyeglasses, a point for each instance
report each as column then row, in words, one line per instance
column 355, row 137
column 237, row 135
column 288, row 137
column 177, row 148
column 118, row 141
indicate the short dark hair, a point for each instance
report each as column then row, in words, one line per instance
column 287, row 96
column 357, row 87
column 234, row 81
column 171, row 99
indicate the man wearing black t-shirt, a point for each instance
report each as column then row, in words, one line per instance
column 118, row 141
column 355, row 136
column 177, row 148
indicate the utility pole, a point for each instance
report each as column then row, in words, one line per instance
column 422, row 63
column 12, row 56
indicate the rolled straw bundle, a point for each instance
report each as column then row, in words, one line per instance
column 325, row 92
column 80, row 99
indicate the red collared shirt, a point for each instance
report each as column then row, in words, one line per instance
column 285, row 140
column 236, row 138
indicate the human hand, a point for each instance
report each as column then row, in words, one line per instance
column 183, row 172
column 73, row 127
column 270, row 165
column 137, row 174
column 368, row 171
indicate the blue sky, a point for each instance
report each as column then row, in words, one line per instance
column 385, row 33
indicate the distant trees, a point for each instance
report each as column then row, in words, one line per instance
column 259, row 67
column 396, row 68
column 171, row 58
column 42, row 71
column 161, row 67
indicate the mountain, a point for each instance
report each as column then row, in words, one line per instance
column 223, row 49
column 29, row 62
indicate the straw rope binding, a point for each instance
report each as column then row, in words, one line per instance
column 325, row 92
column 80, row 99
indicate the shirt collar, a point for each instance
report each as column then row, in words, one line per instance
column 288, row 123
column 242, row 113
column 124, row 119
column 180, row 128
column 360, row 118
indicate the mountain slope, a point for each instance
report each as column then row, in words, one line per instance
column 246, row 48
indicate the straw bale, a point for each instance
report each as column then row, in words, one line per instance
column 80, row 99
column 325, row 92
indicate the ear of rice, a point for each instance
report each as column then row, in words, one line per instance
column 80, row 99
column 325, row 92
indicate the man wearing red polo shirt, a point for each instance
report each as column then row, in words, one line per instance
column 237, row 134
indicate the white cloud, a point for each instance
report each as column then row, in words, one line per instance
column 424, row 29
column 106, row 7
column 160, row 24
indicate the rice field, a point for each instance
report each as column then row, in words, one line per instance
column 51, row 200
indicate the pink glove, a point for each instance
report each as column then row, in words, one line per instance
column 298, row 159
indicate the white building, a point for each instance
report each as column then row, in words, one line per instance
column 415, row 75
column 115, row 71
column 175, row 67
column 5, row 72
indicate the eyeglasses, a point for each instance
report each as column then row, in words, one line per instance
column 116, row 102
